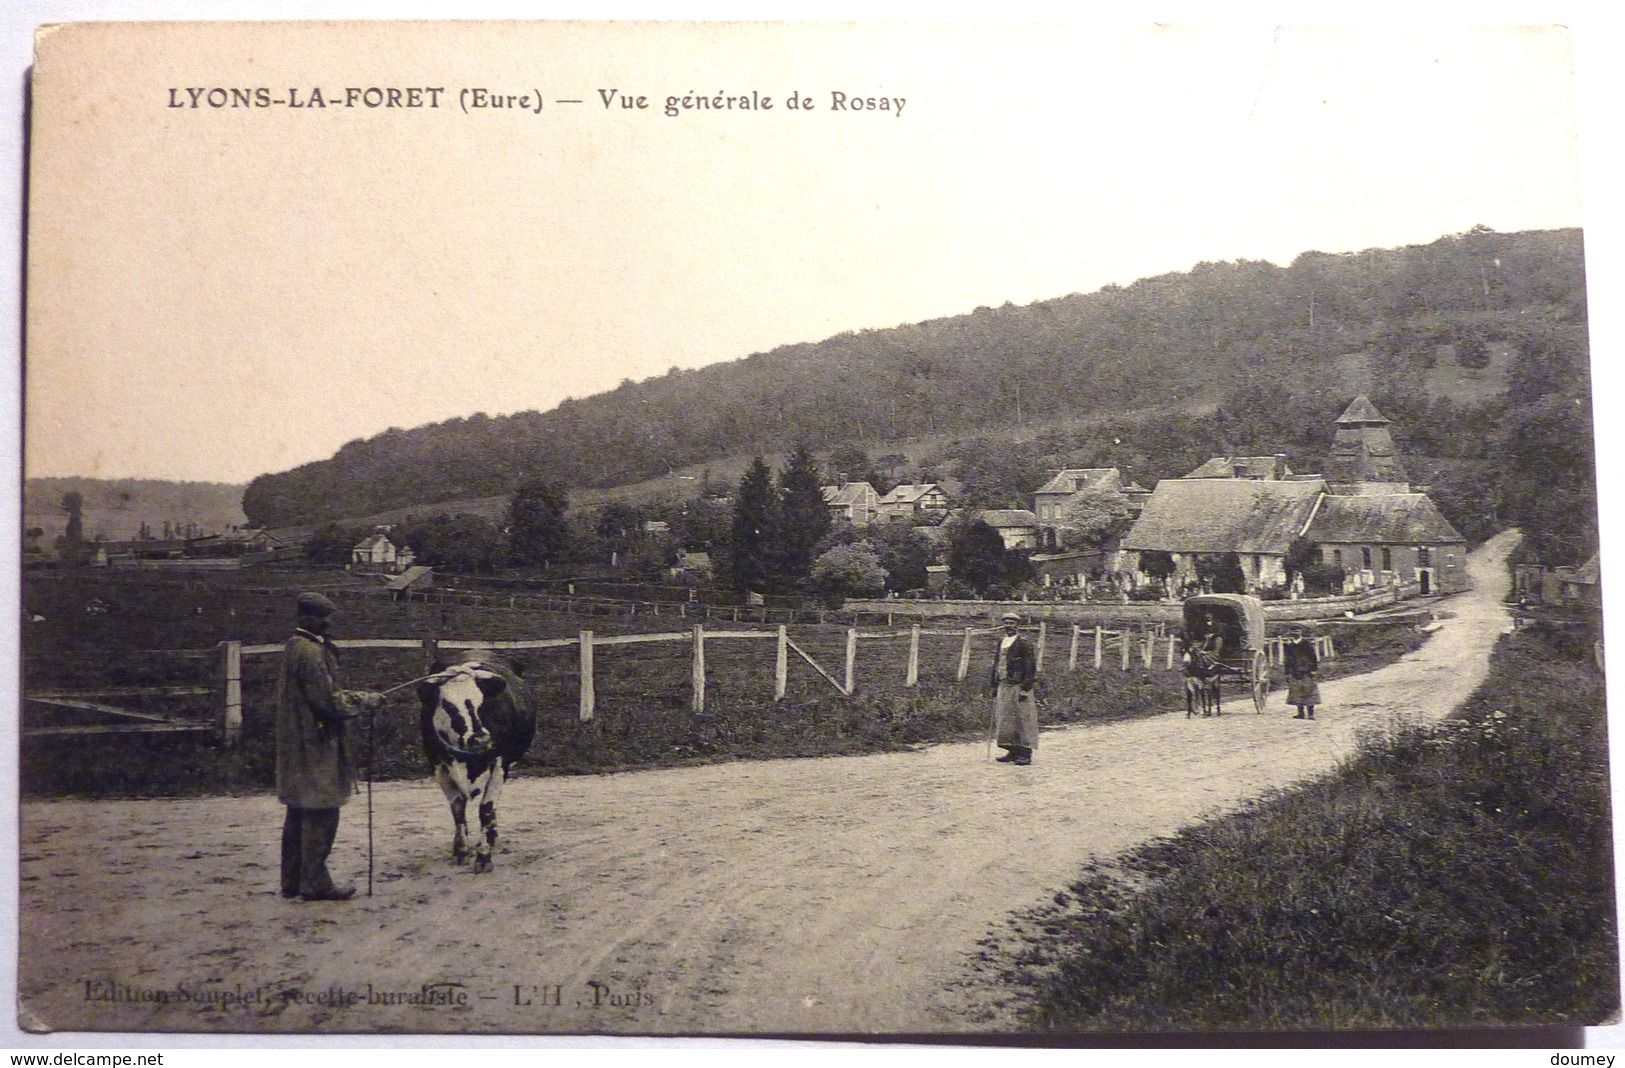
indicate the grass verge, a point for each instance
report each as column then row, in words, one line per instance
column 1453, row 876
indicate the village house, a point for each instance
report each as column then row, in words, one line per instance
column 1050, row 498
column 913, row 502
column 1363, row 516
column 1050, row 502
column 376, row 552
column 856, row 503
column 1017, row 526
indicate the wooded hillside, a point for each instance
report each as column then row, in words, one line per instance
column 1444, row 336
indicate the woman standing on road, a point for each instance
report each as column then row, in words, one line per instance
column 1301, row 688
column 1015, row 669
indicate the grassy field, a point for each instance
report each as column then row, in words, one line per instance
column 1454, row 876
column 102, row 631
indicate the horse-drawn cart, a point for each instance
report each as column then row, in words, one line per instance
column 1228, row 629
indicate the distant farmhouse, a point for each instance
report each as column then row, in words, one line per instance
column 1362, row 516
column 376, row 552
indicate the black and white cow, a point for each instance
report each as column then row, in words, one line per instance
column 477, row 721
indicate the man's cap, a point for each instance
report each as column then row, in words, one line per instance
column 316, row 605
column 1008, row 616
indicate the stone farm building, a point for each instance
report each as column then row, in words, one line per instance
column 1362, row 517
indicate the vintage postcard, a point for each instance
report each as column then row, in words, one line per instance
column 661, row 529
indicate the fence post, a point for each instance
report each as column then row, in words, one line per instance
column 698, row 703
column 1099, row 639
column 1123, row 637
column 964, row 658
column 431, row 653
column 231, row 704
column 1072, row 655
column 781, row 668
column 1150, row 648
column 588, row 698
column 1171, row 641
column 913, row 678
column 1043, row 640
column 851, row 660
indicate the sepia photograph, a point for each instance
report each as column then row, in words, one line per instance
column 979, row 533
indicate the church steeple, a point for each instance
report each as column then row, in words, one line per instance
column 1363, row 458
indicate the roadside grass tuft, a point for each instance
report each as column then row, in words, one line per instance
column 1453, row 876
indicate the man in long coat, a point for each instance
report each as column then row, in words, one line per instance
column 315, row 762
column 1015, row 669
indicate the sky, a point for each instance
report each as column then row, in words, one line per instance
column 219, row 294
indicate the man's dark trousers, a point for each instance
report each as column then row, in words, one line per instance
column 307, row 838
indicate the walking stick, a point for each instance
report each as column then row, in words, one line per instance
column 992, row 727
column 370, row 714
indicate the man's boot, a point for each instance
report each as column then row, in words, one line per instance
column 1008, row 757
column 1023, row 755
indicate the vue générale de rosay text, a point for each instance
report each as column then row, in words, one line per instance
column 531, row 100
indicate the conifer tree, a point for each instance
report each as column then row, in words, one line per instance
column 755, row 535
column 805, row 518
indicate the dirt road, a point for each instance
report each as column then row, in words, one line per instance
column 830, row 895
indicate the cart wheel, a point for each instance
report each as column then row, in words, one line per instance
column 1260, row 681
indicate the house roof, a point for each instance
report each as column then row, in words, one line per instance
column 1223, row 515
column 1382, row 519
column 1008, row 518
column 1073, row 479
column 909, row 492
column 411, row 577
column 372, row 541
column 1247, row 466
column 1589, row 572
column 1362, row 411
column 848, row 493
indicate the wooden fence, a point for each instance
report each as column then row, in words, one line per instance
column 1150, row 647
